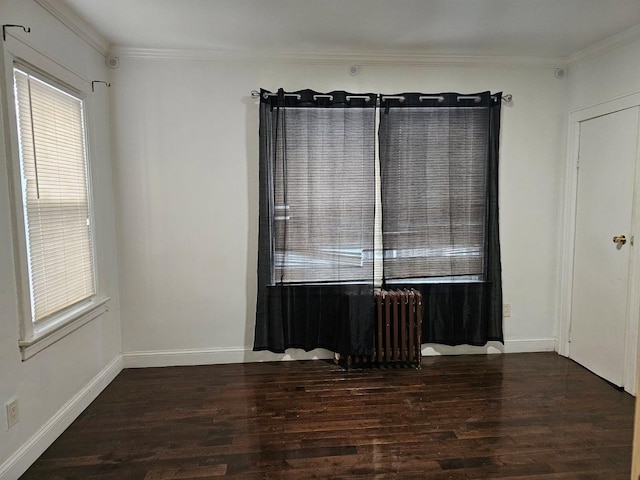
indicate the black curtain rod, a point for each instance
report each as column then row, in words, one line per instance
column 505, row 98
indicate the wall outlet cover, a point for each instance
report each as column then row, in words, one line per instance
column 13, row 413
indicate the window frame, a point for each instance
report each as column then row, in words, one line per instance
column 289, row 212
column 379, row 251
column 35, row 336
column 433, row 162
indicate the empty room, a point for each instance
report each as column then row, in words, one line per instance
column 294, row 239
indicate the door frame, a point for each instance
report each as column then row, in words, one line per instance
column 568, row 230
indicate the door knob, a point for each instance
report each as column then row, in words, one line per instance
column 619, row 239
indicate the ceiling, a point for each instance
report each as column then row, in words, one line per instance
column 531, row 28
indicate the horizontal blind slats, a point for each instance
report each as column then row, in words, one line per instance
column 53, row 165
column 433, row 178
column 324, row 194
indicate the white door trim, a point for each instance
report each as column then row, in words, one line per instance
column 568, row 236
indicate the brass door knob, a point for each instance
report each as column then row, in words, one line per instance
column 619, row 239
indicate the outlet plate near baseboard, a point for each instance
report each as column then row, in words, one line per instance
column 13, row 412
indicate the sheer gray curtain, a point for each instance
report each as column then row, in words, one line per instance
column 438, row 180
column 439, row 163
column 316, row 240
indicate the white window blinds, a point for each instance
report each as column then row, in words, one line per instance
column 55, row 195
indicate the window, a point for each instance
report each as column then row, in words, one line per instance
column 365, row 190
column 434, row 190
column 323, row 219
column 55, row 195
column 329, row 193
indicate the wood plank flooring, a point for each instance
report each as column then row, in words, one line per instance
column 512, row 416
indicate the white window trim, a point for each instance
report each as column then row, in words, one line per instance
column 35, row 337
column 59, row 326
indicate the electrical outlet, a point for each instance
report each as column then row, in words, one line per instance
column 506, row 310
column 13, row 413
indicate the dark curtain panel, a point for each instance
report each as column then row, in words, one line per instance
column 316, row 230
column 439, row 188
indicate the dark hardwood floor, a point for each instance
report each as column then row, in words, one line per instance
column 537, row 416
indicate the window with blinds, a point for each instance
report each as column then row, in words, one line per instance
column 412, row 207
column 323, row 220
column 434, row 192
column 55, row 195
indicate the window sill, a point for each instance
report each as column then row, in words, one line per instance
column 53, row 331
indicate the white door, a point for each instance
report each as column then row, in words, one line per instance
column 608, row 146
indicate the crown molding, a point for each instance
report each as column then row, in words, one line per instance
column 338, row 58
column 76, row 24
column 618, row 40
column 89, row 34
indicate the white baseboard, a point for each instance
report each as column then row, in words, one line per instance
column 510, row 346
column 536, row 345
column 211, row 356
column 21, row 460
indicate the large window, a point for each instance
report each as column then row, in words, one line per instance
column 55, row 194
column 365, row 190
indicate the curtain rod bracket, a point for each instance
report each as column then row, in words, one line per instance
column 11, row 25
column 93, row 82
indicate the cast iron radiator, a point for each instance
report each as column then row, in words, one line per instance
column 398, row 330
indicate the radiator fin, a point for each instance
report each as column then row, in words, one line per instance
column 398, row 330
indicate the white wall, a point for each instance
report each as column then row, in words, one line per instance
column 56, row 384
column 186, row 179
column 605, row 77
